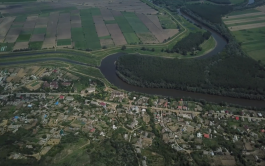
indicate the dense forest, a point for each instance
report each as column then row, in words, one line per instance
column 233, row 76
column 191, row 42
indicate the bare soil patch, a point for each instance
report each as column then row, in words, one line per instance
column 21, row 45
column 116, row 13
column 37, row 37
column 261, row 8
column 106, row 14
column 147, row 38
column 116, row 34
column 76, row 25
column 4, row 27
column 12, row 35
column 245, row 20
column 106, row 42
column 155, row 20
column 64, row 33
column 100, row 26
column 49, row 42
column 248, row 26
column 243, row 15
column 170, row 32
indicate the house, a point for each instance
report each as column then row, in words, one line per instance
column 46, row 85
column 54, row 85
column 206, row 135
column 66, row 83
column 259, row 114
column 61, row 97
column 69, row 98
column 237, row 118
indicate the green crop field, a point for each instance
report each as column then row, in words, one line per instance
column 20, row 18
column 95, row 11
column 167, row 22
column 105, row 37
column 6, row 47
column 82, row 45
column 77, row 34
column 124, row 24
column 39, row 31
column 23, row 37
column 64, row 42
column 253, row 42
column 131, row 38
column 137, row 25
column 44, row 14
column 35, row 45
column 110, row 21
column 246, row 23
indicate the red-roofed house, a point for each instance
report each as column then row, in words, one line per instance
column 66, row 83
column 165, row 105
column 180, row 107
column 237, row 118
column 102, row 104
column 263, row 131
column 206, row 135
column 54, row 85
column 92, row 130
column 61, row 97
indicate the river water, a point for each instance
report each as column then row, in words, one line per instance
column 108, row 69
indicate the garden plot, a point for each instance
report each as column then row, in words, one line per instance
column 116, row 13
column 243, row 15
column 106, row 14
column 147, row 38
column 4, row 27
column 42, row 22
column 49, row 42
column 244, row 20
column 52, row 25
column 37, row 37
column 21, row 45
column 12, row 35
column 116, row 34
column 158, row 33
column 30, row 22
column 100, row 26
column 106, row 42
column 155, row 20
column 247, row 26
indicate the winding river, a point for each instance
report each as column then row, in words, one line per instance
column 108, row 69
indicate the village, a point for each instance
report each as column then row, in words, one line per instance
column 42, row 106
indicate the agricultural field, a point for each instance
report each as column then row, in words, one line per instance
column 249, row 29
column 90, row 26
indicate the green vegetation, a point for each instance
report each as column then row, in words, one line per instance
column 35, row 45
column 253, row 42
column 191, row 43
column 234, row 2
column 23, row 37
column 6, row 47
column 78, row 38
column 131, row 38
column 110, row 21
column 105, row 37
column 39, row 31
column 167, row 22
column 137, row 25
column 64, row 42
column 212, row 13
column 44, row 14
column 21, row 18
column 220, row 75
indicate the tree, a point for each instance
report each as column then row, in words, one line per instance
column 123, row 48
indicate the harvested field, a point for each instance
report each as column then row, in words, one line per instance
column 21, row 45
column 158, row 33
column 64, row 33
column 76, row 25
column 170, row 32
column 75, row 19
column 116, row 13
column 12, row 35
column 42, row 22
column 116, row 34
column 106, row 42
column 244, row 20
column 30, row 22
column 248, row 26
column 37, row 37
column 100, row 26
column 106, row 14
column 52, row 25
column 155, row 20
column 261, row 8
column 243, row 15
column 4, row 27
column 147, row 38
column 49, row 42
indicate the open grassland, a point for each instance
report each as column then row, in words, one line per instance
column 253, row 42
column 64, row 42
column 35, row 45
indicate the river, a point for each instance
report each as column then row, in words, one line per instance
column 108, row 69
